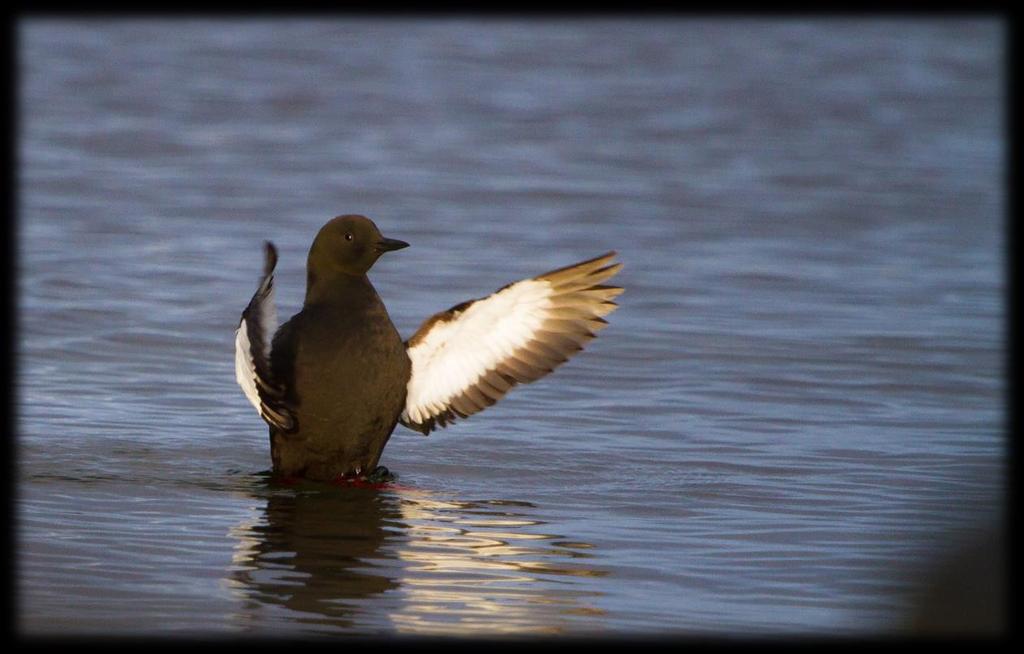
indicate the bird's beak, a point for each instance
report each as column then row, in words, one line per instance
column 389, row 244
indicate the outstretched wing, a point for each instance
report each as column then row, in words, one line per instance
column 252, row 350
column 466, row 358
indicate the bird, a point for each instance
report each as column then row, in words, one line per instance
column 334, row 381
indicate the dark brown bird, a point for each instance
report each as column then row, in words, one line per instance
column 336, row 378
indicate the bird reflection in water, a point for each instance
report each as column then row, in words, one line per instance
column 407, row 561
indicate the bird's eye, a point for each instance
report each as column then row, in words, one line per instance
column 348, row 237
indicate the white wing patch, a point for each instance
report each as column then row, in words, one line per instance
column 245, row 371
column 468, row 357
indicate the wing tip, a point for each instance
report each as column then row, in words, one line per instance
column 269, row 257
column 581, row 266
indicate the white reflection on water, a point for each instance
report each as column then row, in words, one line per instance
column 323, row 556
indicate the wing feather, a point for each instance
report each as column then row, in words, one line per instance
column 468, row 357
column 252, row 350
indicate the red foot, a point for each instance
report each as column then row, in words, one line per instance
column 357, row 482
column 348, row 482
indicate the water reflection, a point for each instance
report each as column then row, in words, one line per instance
column 308, row 552
column 411, row 561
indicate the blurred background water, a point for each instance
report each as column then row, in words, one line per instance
column 796, row 416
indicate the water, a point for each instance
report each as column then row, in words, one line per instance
column 796, row 413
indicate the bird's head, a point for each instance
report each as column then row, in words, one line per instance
column 350, row 243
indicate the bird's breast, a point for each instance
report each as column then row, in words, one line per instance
column 350, row 371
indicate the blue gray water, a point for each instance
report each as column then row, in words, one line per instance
column 795, row 415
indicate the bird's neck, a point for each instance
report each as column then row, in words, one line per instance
column 338, row 288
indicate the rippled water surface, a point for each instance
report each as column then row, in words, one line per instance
column 795, row 415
